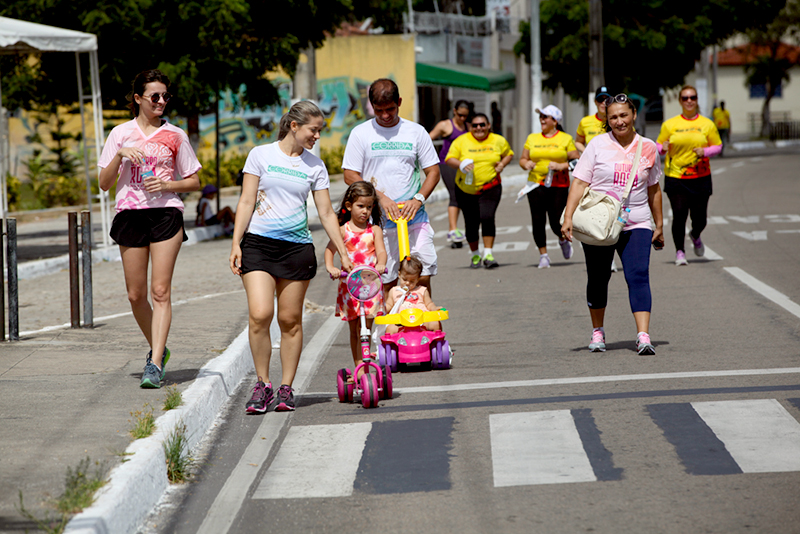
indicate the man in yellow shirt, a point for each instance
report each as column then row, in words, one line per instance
column 722, row 118
column 593, row 125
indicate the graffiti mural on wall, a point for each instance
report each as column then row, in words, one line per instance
column 343, row 101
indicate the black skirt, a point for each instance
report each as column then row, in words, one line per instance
column 281, row 259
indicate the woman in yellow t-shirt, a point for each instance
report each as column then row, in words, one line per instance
column 688, row 140
column 480, row 156
column 546, row 152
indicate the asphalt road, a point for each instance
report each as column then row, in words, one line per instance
column 529, row 431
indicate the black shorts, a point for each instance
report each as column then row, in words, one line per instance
column 139, row 228
column 281, row 259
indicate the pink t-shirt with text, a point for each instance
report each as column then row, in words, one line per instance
column 169, row 149
column 606, row 167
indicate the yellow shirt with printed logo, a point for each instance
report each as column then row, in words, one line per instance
column 590, row 127
column 485, row 154
column 684, row 135
column 543, row 150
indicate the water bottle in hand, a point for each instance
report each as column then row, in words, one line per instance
column 149, row 172
column 548, row 180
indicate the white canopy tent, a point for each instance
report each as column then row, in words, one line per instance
column 20, row 37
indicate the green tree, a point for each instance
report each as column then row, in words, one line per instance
column 647, row 44
column 771, row 64
column 204, row 46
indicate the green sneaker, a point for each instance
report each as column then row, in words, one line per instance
column 489, row 262
column 476, row 261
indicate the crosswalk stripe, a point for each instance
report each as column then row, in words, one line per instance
column 315, row 461
column 537, row 448
column 759, row 434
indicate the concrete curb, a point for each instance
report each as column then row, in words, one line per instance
column 136, row 486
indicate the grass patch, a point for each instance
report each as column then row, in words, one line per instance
column 178, row 459
column 172, row 399
column 80, row 486
column 144, row 422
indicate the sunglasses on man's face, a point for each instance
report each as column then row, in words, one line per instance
column 479, row 125
column 155, row 97
column 687, row 98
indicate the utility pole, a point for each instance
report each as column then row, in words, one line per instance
column 536, row 67
column 597, row 76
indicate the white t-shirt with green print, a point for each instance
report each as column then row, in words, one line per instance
column 391, row 159
column 283, row 186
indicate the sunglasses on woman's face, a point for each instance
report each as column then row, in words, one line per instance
column 479, row 125
column 155, row 97
column 689, row 97
column 619, row 99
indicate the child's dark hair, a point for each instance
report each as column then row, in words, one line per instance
column 354, row 192
column 411, row 265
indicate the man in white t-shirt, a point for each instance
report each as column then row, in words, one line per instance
column 389, row 152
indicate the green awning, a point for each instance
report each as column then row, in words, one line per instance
column 465, row 76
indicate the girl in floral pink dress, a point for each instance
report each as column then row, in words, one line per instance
column 359, row 222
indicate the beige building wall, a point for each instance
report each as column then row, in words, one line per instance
column 345, row 68
column 732, row 89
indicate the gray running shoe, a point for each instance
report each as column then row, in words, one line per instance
column 151, row 378
column 261, row 399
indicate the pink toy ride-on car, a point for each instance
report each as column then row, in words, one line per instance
column 413, row 345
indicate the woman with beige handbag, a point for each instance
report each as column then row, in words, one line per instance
column 607, row 166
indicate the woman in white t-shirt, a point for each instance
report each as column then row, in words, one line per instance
column 143, row 156
column 606, row 166
column 272, row 247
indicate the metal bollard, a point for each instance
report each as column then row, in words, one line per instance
column 86, row 248
column 74, row 283
column 13, row 289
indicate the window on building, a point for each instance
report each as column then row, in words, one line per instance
column 759, row 90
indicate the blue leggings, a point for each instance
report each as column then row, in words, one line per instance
column 634, row 251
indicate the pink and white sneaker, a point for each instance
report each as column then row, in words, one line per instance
column 643, row 345
column 680, row 258
column 598, row 343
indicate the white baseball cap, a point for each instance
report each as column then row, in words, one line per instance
column 551, row 111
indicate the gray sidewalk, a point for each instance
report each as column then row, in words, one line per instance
column 69, row 394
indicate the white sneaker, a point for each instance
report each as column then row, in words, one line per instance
column 544, row 261
column 566, row 248
column 680, row 258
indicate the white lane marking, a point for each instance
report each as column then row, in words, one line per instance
column 766, row 291
column 760, row 435
column 711, row 255
column 584, row 380
column 787, row 231
column 123, row 314
column 315, row 461
column 440, row 216
column 716, row 219
column 537, row 448
column 758, row 235
column 748, row 219
column 505, row 230
column 511, row 246
column 756, row 159
column 783, row 218
column 226, row 505
column 720, row 170
column 738, row 164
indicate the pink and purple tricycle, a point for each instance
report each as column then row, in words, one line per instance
column 413, row 345
column 364, row 283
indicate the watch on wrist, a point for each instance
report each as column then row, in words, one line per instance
column 419, row 197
